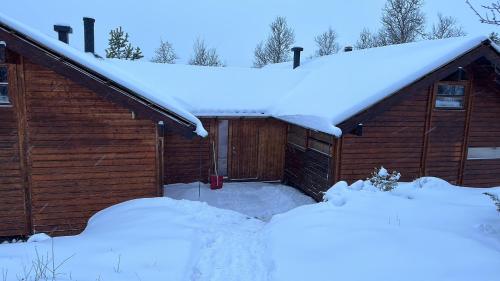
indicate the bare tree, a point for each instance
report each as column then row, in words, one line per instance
column 403, row 21
column 165, row 53
column 367, row 39
column 491, row 15
column 202, row 55
column 446, row 27
column 495, row 37
column 327, row 43
column 276, row 49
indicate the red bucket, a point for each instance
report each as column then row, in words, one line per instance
column 216, row 182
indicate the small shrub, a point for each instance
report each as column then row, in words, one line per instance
column 384, row 180
column 495, row 199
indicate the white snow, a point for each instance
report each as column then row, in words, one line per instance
column 425, row 230
column 254, row 199
column 104, row 68
column 320, row 94
column 39, row 237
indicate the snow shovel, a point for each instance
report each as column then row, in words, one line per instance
column 216, row 181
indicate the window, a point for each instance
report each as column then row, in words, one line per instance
column 297, row 136
column 450, row 96
column 483, row 153
column 320, row 142
column 4, row 85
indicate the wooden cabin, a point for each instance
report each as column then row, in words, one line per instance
column 72, row 140
column 80, row 133
column 442, row 125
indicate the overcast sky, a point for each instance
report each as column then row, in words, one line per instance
column 234, row 27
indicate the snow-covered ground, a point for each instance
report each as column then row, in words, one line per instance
column 254, row 199
column 427, row 230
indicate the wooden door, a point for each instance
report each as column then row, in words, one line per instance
column 244, row 149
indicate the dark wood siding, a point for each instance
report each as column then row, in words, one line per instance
column 260, row 139
column 85, row 153
column 393, row 139
column 188, row 160
column 307, row 169
column 484, row 128
column 13, row 219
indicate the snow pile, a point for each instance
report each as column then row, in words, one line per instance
column 425, row 230
column 146, row 239
column 254, row 199
column 39, row 237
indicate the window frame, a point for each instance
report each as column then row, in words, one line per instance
column 465, row 97
column 9, row 99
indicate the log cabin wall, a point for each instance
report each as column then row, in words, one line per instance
column 85, row 153
column 188, row 160
column 393, row 139
column 256, row 147
column 484, row 129
column 13, row 215
column 309, row 164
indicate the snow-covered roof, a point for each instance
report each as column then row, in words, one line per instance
column 105, row 69
column 320, row 94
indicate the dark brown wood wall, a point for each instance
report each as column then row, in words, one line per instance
column 259, row 145
column 13, row 219
column 307, row 169
column 484, row 128
column 393, row 139
column 446, row 136
column 85, row 152
column 188, row 160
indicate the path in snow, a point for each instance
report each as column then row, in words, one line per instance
column 237, row 251
column 233, row 252
column 254, row 199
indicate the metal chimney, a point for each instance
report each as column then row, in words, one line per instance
column 88, row 27
column 63, row 32
column 296, row 56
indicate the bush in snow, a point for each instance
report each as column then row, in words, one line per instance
column 495, row 199
column 384, row 180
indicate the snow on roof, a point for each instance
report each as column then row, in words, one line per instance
column 106, row 69
column 321, row 93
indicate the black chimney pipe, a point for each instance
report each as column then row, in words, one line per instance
column 63, row 32
column 296, row 56
column 88, row 27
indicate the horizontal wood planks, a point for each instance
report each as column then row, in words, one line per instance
column 393, row 139
column 12, row 193
column 484, row 128
column 85, row 154
column 307, row 169
column 188, row 160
